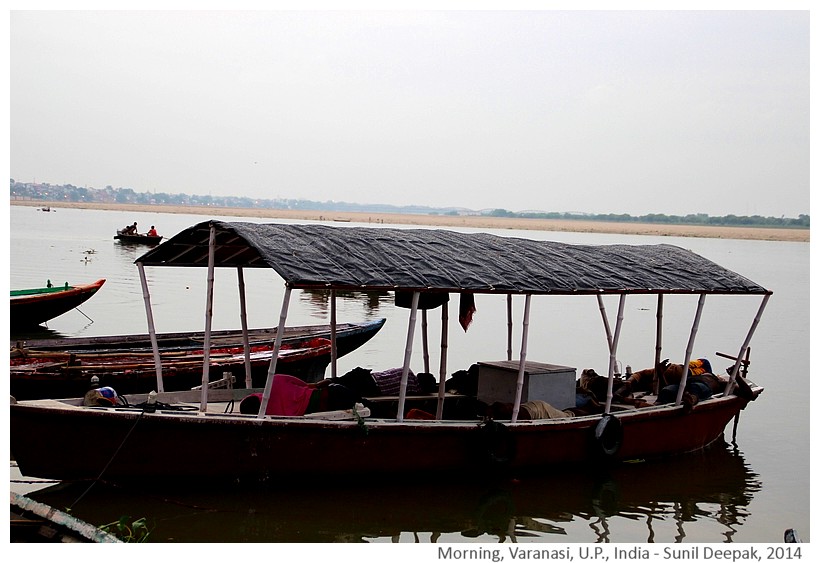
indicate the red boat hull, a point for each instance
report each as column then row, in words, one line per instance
column 54, row 443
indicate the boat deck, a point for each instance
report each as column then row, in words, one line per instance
column 226, row 402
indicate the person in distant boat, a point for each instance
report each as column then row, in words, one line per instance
column 130, row 229
column 152, row 232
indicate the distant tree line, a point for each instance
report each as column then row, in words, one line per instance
column 801, row 222
column 109, row 194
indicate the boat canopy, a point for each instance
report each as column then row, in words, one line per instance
column 435, row 260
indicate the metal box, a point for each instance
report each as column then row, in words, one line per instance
column 546, row 382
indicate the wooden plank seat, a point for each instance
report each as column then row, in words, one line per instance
column 421, row 397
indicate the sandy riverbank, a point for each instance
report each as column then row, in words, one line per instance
column 750, row 233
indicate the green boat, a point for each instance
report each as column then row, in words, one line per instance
column 31, row 307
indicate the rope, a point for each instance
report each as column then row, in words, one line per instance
column 86, row 316
column 734, row 428
column 99, row 477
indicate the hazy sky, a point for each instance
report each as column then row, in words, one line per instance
column 603, row 112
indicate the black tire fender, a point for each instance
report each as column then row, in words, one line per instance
column 609, row 435
column 497, row 444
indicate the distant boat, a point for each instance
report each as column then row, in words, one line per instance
column 137, row 238
column 31, row 307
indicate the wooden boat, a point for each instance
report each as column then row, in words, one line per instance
column 31, row 307
column 63, row 367
column 349, row 337
column 137, row 238
column 189, row 436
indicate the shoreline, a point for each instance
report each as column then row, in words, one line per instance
column 469, row 221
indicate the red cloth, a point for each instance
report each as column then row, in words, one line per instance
column 289, row 396
column 466, row 309
column 418, row 414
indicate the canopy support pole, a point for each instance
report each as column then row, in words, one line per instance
column 608, row 331
column 333, row 351
column 408, row 351
column 243, row 317
column 522, row 362
column 689, row 346
column 152, row 333
column 442, row 371
column 509, row 327
column 658, row 343
column 424, row 346
column 613, row 351
column 209, row 313
column 277, row 345
column 745, row 345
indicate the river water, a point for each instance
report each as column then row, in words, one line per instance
column 748, row 490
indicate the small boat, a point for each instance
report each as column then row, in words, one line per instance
column 31, row 307
column 126, row 238
column 63, row 367
column 349, row 337
column 197, row 435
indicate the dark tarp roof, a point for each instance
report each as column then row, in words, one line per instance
column 321, row 256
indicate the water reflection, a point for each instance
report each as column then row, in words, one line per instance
column 319, row 299
column 33, row 333
column 127, row 253
column 716, row 485
column 581, row 506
